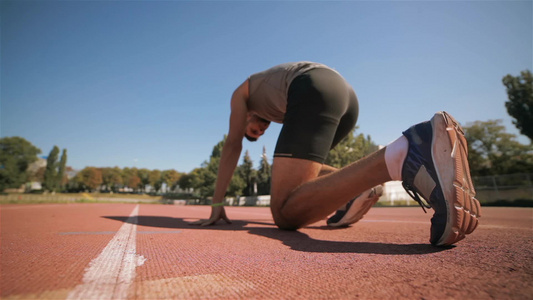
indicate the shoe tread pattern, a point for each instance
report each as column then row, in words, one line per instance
column 466, row 208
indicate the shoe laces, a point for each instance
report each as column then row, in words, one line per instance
column 414, row 194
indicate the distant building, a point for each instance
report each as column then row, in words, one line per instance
column 34, row 167
column 33, row 170
column 393, row 191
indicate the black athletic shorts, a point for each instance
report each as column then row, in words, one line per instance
column 321, row 110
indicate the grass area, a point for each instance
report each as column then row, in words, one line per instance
column 21, row 198
column 509, row 203
column 77, row 198
column 386, row 203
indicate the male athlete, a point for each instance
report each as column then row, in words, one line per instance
column 318, row 108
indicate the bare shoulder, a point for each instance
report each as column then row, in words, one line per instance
column 243, row 90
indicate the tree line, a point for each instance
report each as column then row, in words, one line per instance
column 247, row 181
column 492, row 151
column 116, row 180
column 19, row 154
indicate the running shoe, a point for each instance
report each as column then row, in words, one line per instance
column 356, row 208
column 436, row 169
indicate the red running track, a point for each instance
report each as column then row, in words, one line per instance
column 99, row 251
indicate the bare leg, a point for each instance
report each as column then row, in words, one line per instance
column 325, row 170
column 300, row 197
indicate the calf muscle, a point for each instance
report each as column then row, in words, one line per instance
column 301, row 197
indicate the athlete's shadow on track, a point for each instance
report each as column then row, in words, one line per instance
column 296, row 240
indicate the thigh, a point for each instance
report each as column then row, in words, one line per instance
column 317, row 103
column 287, row 175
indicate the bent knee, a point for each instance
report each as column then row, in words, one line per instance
column 285, row 223
column 287, row 226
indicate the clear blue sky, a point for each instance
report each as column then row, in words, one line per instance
column 148, row 83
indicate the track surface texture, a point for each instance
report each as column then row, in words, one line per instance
column 130, row 251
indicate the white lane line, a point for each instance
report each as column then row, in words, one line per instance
column 110, row 275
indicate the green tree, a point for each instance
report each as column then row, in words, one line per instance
column 236, row 186
column 350, row 149
column 61, row 176
column 210, row 173
column 247, row 173
column 130, row 178
column 135, row 183
column 111, row 178
column 203, row 179
column 55, row 178
column 207, row 176
column 16, row 154
column 51, row 183
column 90, row 178
column 170, row 178
column 520, row 104
column 144, row 175
column 217, row 149
column 186, row 181
column 155, row 179
column 492, row 151
column 264, row 175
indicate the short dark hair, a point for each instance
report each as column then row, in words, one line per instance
column 263, row 120
column 249, row 138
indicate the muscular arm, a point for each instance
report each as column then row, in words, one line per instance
column 230, row 153
column 233, row 146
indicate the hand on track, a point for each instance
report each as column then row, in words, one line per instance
column 217, row 213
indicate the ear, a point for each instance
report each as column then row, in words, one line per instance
column 249, row 116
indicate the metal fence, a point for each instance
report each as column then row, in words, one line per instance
column 504, row 187
column 489, row 190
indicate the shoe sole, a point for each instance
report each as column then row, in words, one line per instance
column 449, row 148
column 360, row 207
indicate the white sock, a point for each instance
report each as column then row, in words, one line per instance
column 395, row 154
